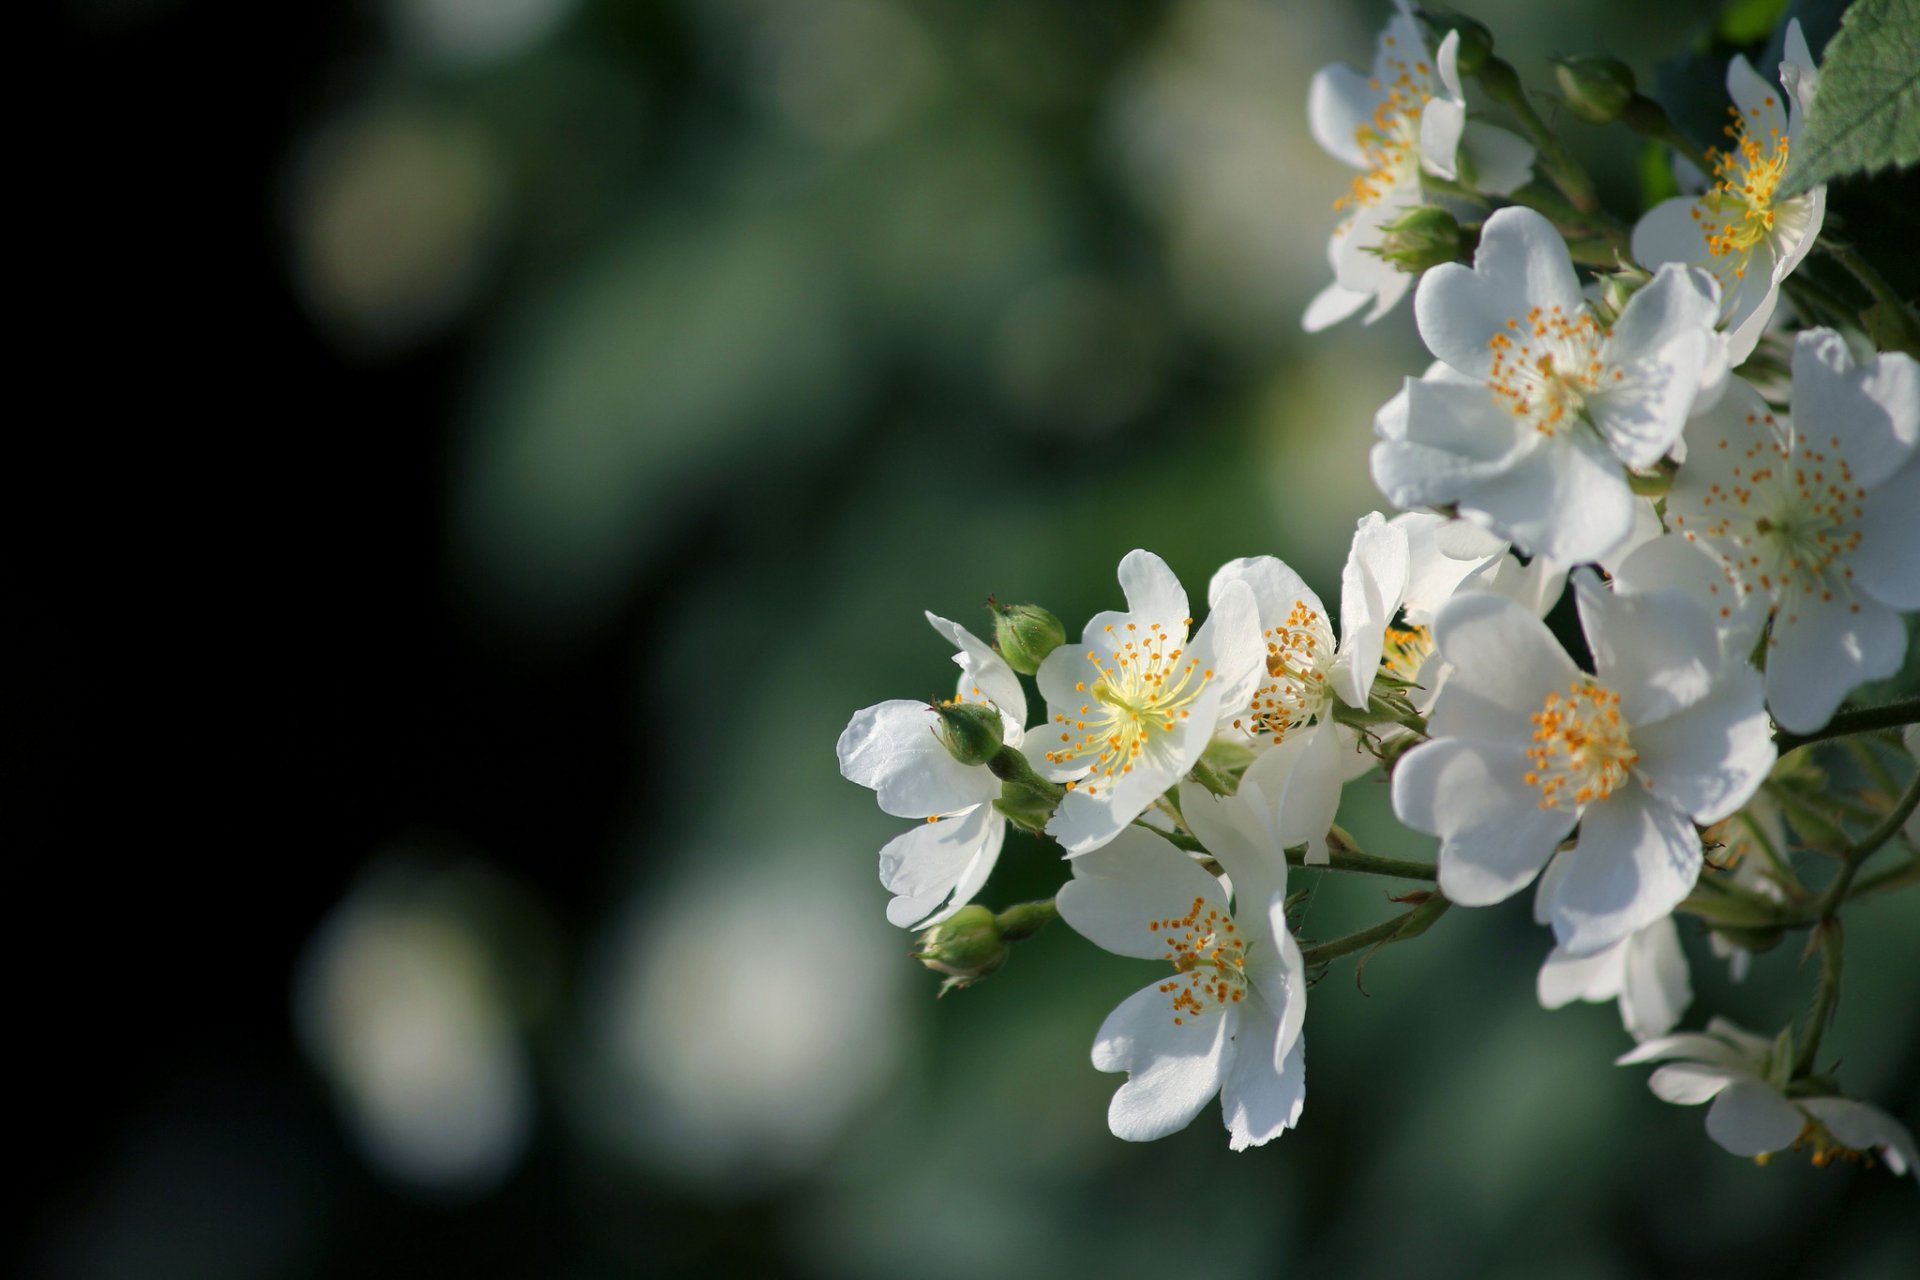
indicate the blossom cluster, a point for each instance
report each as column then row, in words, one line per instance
column 1739, row 550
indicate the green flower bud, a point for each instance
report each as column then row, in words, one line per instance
column 1025, row 634
column 1420, row 238
column 971, row 731
column 1476, row 42
column 1597, row 89
column 966, row 947
column 1616, row 287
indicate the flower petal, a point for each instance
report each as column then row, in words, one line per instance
column 1567, row 500
column 1565, row 978
column 1636, row 859
column 1154, row 593
column 940, row 862
column 1173, row 1069
column 1821, row 649
column 1371, row 587
column 1258, row 1102
column 1688, row 1084
column 1502, row 161
column 1711, row 758
column 1494, row 835
column 1129, row 884
column 1522, row 263
column 986, row 673
column 1884, row 564
column 1751, row 1117
column 1865, row 1128
column 1657, row 650
column 1503, row 658
column 1657, row 987
column 1340, row 105
column 891, row 747
column 1656, row 354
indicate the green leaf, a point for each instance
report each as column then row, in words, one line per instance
column 1866, row 115
column 1748, row 21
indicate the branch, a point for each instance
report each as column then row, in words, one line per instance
column 1892, row 715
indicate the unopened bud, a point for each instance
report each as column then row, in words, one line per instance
column 1476, row 42
column 1420, row 238
column 1025, row 634
column 1597, row 89
column 971, row 731
column 1616, row 287
column 966, row 947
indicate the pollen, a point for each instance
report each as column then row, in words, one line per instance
column 1146, row 688
column 1209, row 959
column 1581, row 751
column 1545, row 366
column 1739, row 212
column 1299, row 653
column 1390, row 138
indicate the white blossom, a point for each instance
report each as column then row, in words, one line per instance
column 1538, row 407
column 1736, row 229
column 1818, row 515
column 893, row 747
column 1133, row 707
column 1227, row 1019
column 1751, row 1115
column 1666, row 732
column 1646, row 972
column 1407, row 116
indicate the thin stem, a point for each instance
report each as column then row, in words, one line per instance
column 1343, row 856
column 1895, row 877
column 1865, row 847
column 1502, row 84
column 1892, row 715
column 1831, row 940
column 1862, row 750
column 1417, row 920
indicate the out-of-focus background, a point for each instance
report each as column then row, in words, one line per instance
column 501, row 441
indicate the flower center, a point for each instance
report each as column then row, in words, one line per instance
column 1390, row 140
column 1738, row 213
column 1144, row 691
column 1406, row 650
column 1299, row 651
column 1545, row 367
column 1790, row 514
column 1209, row 959
column 1580, row 750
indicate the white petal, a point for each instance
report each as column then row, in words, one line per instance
column 1676, row 563
column 1452, row 436
column 1522, row 263
column 1657, row 650
column 1669, row 232
column 1258, row 1102
column 1100, row 807
column 1688, row 1084
column 1567, row 500
column 1494, row 835
column 1751, row 1118
column 1502, row 655
column 1154, row 594
column 1872, row 410
column 1636, row 859
column 1230, row 645
column 891, row 747
column 1657, row 987
column 1821, row 649
column 1371, row 587
column 1441, row 554
column 1332, row 305
column 939, row 863
column 1659, row 347
column 1237, row 830
column 1445, row 114
column 1688, row 1044
column 1884, row 564
column 1711, row 758
column 1865, row 1128
column 1301, row 778
column 1133, row 882
column 1340, row 103
column 986, row 672
column 1502, row 161
column 1276, row 588
column 1565, row 978
column 1173, row 1070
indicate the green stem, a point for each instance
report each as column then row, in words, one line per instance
column 1416, row 920
column 1892, row 715
column 1503, row 85
column 1895, row 877
column 1344, row 855
column 1831, row 940
column 1865, row 847
column 1862, row 750
column 1024, row 919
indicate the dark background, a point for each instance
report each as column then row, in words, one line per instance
column 538, row 585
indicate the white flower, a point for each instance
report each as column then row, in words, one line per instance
column 1227, row 1020
column 1750, row 1115
column 936, row 868
column 1539, row 407
column 1133, row 707
column 1818, row 516
column 1408, row 115
column 1645, row 971
column 1737, row 230
column 1666, row 732
column 1302, row 670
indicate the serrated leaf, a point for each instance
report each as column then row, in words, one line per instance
column 1866, row 115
